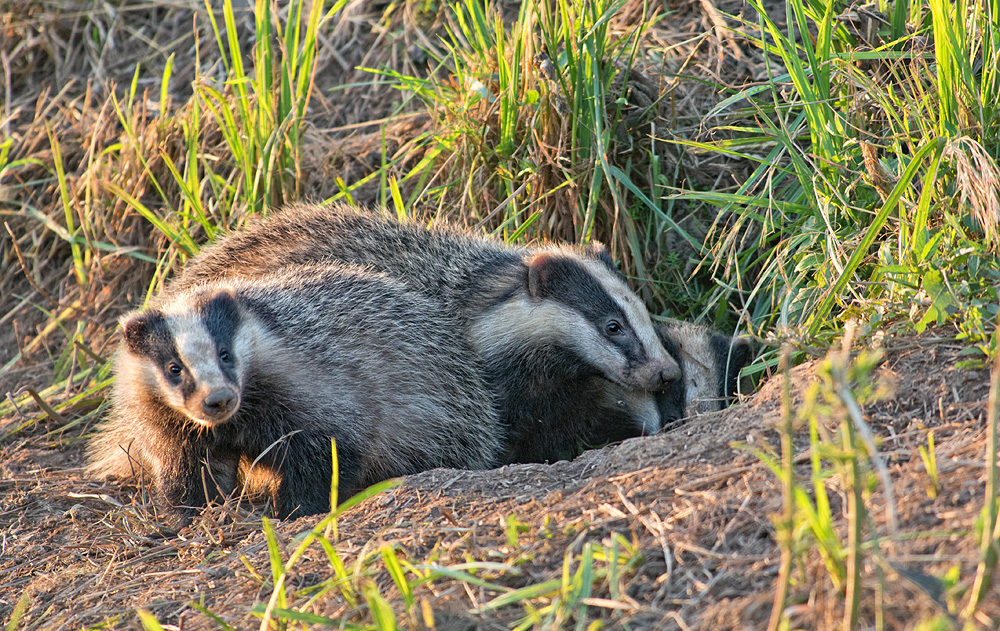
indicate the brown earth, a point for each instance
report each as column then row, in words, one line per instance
column 696, row 508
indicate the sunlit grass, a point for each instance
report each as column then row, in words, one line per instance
column 865, row 191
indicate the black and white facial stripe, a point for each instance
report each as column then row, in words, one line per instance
column 617, row 319
column 569, row 283
column 711, row 363
column 194, row 353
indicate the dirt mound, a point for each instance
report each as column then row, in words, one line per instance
column 687, row 512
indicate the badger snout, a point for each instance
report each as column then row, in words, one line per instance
column 666, row 376
column 219, row 404
column 661, row 376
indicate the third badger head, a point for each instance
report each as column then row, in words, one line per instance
column 710, row 362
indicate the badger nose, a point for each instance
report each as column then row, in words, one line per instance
column 661, row 379
column 667, row 375
column 218, row 403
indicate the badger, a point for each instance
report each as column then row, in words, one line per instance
column 546, row 323
column 240, row 381
column 710, row 362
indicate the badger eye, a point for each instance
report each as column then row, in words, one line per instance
column 174, row 369
column 613, row 328
column 224, row 355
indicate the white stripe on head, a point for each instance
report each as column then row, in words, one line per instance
column 519, row 323
column 197, row 350
column 636, row 314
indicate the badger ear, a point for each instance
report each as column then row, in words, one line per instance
column 741, row 355
column 541, row 267
column 223, row 300
column 137, row 330
column 597, row 250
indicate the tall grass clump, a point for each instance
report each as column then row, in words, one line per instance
column 256, row 98
column 877, row 194
column 543, row 127
column 261, row 111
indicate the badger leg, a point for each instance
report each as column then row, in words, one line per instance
column 305, row 464
column 190, row 479
column 179, row 492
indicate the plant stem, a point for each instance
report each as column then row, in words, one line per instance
column 787, row 524
column 855, row 504
column 991, row 527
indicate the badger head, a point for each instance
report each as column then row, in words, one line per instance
column 711, row 363
column 584, row 302
column 184, row 354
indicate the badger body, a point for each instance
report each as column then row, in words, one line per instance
column 243, row 380
column 544, row 322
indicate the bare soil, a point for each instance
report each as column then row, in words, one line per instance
column 697, row 507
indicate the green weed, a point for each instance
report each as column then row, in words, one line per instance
column 18, row 612
column 845, row 384
column 785, row 525
column 930, row 465
column 990, row 524
column 553, row 603
column 880, row 158
column 532, row 121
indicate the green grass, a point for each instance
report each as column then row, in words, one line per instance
column 865, row 195
column 806, row 522
column 989, row 522
column 550, row 78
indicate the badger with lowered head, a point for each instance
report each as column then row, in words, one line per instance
column 546, row 323
column 246, row 380
column 710, row 362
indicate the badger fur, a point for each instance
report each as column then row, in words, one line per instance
column 711, row 363
column 544, row 322
column 237, row 379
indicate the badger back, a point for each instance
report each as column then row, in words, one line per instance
column 456, row 268
column 383, row 363
column 504, row 291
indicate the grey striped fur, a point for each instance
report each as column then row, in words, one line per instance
column 270, row 368
column 550, row 325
